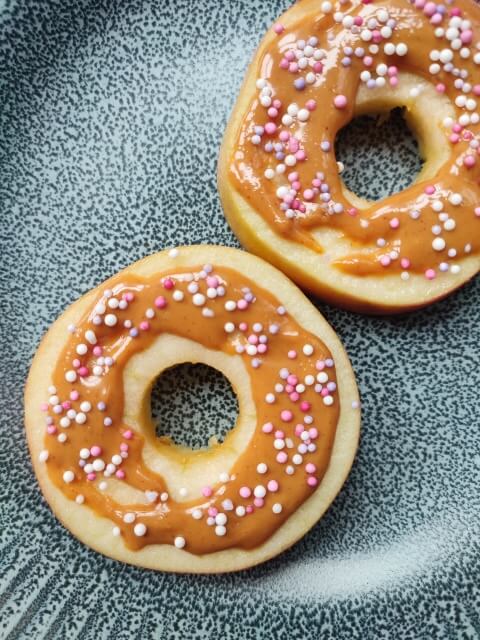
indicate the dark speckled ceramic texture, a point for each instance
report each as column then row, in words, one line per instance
column 111, row 114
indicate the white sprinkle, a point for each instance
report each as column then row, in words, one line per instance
column 240, row 511
column 259, row 491
column 198, row 299
column 43, row 455
column 262, row 468
column 183, row 492
column 110, row 319
column 221, row 519
column 308, row 349
column 173, row 253
column 102, row 486
column 230, row 305
column 178, row 295
column 139, row 529
column 455, row 199
column 80, row 499
column 85, row 406
column 277, row 508
column 84, row 453
column 279, row 444
column 270, row 398
column 164, row 496
column 220, row 530
column 68, row 477
column 229, row 327
column 70, row 376
column 80, row 418
column 129, row 518
column 328, row 400
column 116, row 532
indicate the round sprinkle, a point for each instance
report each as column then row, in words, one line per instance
column 68, row 477
column 277, row 508
column 139, row 529
column 340, row 101
column 179, row 542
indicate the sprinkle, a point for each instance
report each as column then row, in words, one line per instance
column 43, row 456
column 277, row 508
column 340, row 101
column 179, row 542
column 139, row 529
column 68, row 477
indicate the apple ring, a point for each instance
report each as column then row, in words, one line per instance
column 320, row 65
column 148, row 502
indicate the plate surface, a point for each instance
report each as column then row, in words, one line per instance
column 111, row 118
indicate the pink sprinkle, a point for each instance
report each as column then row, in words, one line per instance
column 405, row 263
column 286, row 415
column 469, row 161
column 477, row 212
column 76, row 363
column 318, row 67
column 66, row 405
column 430, row 274
column 367, row 61
column 267, row 427
column 120, row 474
column 454, row 138
column 393, row 81
column 476, row 89
column 212, row 282
column 280, row 434
column 430, row 190
column 340, row 102
column 455, row 11
column 312, row 482
column 436, row 18
column 74, row 395
column 320, row 365
column 243, row 326
column 128, row 435
column 278, row 28
column 284, row 136
column 284, row 63
column 249, row 509
column 272, row 112
column 44, row 406
column 457, row 127
column 292, row 379
column 385, row 261
column 352, row 211
column 292, row 354
column 212, row 511
column 272, row 486
column 97, row 350
column 270, row 128
column 429, row 9
column 358, row 21
column 440, row 88
column 242, row 305
column 91, row 476
column 245, row 492
column 392, row 71
column 311, row 105
column 305, row 406
column 144, row 325
column 466, row 36
column 262, row 348
column 299, row 429
column 207, row 491
column 394, row 223
column 324, row 392
column 83, row 372
column 300, row 155
column 293, row 67
column 129, row 296
column 96, row 450
column 313, row 433
column 160, row 302
column 168, row 283
column 51, row 429
column 277, row 103
column 123, row 446
column 310, row 468
column 294, row 396
column 258, row 502
column 282, row 457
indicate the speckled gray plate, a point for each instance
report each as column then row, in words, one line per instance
column 110, row 119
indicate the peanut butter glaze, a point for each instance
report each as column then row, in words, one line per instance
column 222, row 310
column 308, row 75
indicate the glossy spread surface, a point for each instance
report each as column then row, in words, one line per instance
column 307, row 77
column 88, row 444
